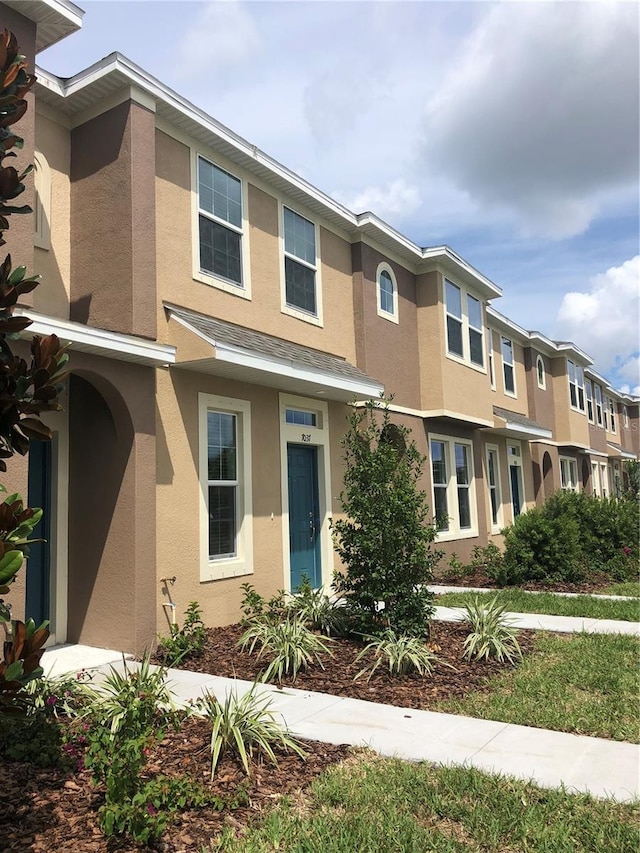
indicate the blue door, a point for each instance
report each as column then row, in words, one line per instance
column 304, row 515
column 38, row 601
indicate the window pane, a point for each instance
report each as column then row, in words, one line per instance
column 462, row 466
column 220, row 250
column 572, row 393
column 454, row 336
column 540, row 371
column 476, row 350
column 386, row 292
column 509, row 384
column 494, row 506
column 438, row 462
column 572, row 371
column 491, row 466
column 299, row 236
column 507, row 351
column 464, row 508
column 221, row 446
column 294, row 416
column 441, row 511
column 222, row 521
column 454, row 300
column 300, row 284
column 475, row 312
column 220, row 193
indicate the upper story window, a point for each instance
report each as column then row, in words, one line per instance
column 576, row 385
column 220, row 222
column 387, row 293
column 542, row 380
column 465, row 332
column 508, row 370
column 612, row 415
column 492, row 375
column 300, row 262
column 588, row 384
column 598, row 395
column 625, row 417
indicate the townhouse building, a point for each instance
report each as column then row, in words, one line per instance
column 223, row 315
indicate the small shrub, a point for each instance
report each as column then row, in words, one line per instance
column 401, row 653
column 245, row 724
column 318, row 611
column 256, row 608
column 185, row 642
column 292, row 645
column 541, row 546
column 490, row 560
column 491, row 636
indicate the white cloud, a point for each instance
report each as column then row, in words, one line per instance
column 604, row 320
column 540, row 113
column 222, row 35
column 397, row 198
column 627, row 389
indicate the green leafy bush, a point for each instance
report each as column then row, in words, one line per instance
column 245, row 724
column 491, row 635
column 290, row 643
column 384, row 540
column 542, row 546
column 319, row 611
column 256, row 608
column 185, row 642
column 402, row 654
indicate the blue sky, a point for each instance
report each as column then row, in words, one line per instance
column 508, row 131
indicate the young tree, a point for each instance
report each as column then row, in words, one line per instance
column 384, row 541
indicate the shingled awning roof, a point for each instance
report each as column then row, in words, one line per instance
column 261, row 359
column 515, row 425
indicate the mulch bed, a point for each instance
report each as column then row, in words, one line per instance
column 55, row 811
column 221, row 656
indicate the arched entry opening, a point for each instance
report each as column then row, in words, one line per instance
column 547, row 475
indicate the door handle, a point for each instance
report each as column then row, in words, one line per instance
column 312, row 527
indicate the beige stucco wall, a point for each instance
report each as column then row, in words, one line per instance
column 53, row 264
column 520, row 402
column 175, row 219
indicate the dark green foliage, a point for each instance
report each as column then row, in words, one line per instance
column 384, row 541
column 571, row 535
column 632, row 480
column 255, row 607
column 185, row 642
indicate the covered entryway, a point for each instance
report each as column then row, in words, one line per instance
column 304, row 516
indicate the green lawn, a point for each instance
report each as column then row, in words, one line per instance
column 583, row 683
column 520, row 601
column 624, row 588
column 375, row 805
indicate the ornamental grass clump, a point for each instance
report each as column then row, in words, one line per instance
column 402, row 654
column 290, row 643
column 491, row 634
column 319, row 611
column 245, row 724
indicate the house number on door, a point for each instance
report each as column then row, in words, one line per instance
column 306, row 436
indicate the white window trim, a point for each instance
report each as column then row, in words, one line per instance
column 317, row 318
column 542, row 385
column 569, row 465
column 599, row 404
column 242, row 563
column 612, row 415
column 391, row 316
column 508, row 393
column 42, row 202
column 454, row 531
column 625, row 417
column 490, row 359
column 588, row 384
column 493, row 448
column 464, row 322
column 242, row 290
column 516, row 460
column 579, row 387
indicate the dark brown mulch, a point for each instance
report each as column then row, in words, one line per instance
column 479, row 578
column 222, row 656
column 50, row 810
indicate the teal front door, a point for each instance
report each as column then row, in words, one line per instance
column 38, row 603
column 304, row 515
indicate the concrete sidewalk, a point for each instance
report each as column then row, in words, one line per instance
column 545, row 622
column 601, row 767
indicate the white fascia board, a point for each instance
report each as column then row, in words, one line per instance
column 444, row 253
column 243, row 358
column 537, row 432
column 506, row 323
column 570, row 348
column 128, row 347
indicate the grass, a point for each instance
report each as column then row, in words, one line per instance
column 623, row 588
column 374, row 805
column 587, row 684
column 520, row 601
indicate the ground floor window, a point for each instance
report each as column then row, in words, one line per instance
column 493, row 485
column 568, row 474
column 516, row 479
column 453, row 493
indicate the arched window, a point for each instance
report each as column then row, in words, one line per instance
column 542, row 381
column 387, row 293
column 42, row 201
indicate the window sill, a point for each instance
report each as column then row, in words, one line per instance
column 511, row 394
column 459, row 360
column 222, row 284
column 577, row 410
column 454, row 535
column 301, row 315
column 392, row 318
column 216, row 570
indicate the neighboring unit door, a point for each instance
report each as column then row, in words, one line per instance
column 304, row 515
column 516, row 489
column 38, row 600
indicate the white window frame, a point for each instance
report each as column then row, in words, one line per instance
column 541, row 384
column 292, row 310
column 392, row 316
column 243, row 290
column 588, row 393
column 242, row 562
column 597, row 393
column 465, row 327
column 569, row 474
column 492, row 372
column 454, row 530
column 604, row 479
column 516, row 459
column 577, row 383
column 42, row 202
column 595, row 478
column 506, row 364
column 493, row 449
column 612, row 415
column 625, row 417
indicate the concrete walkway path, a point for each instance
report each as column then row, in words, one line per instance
column 601, row 767
column 545, row 622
